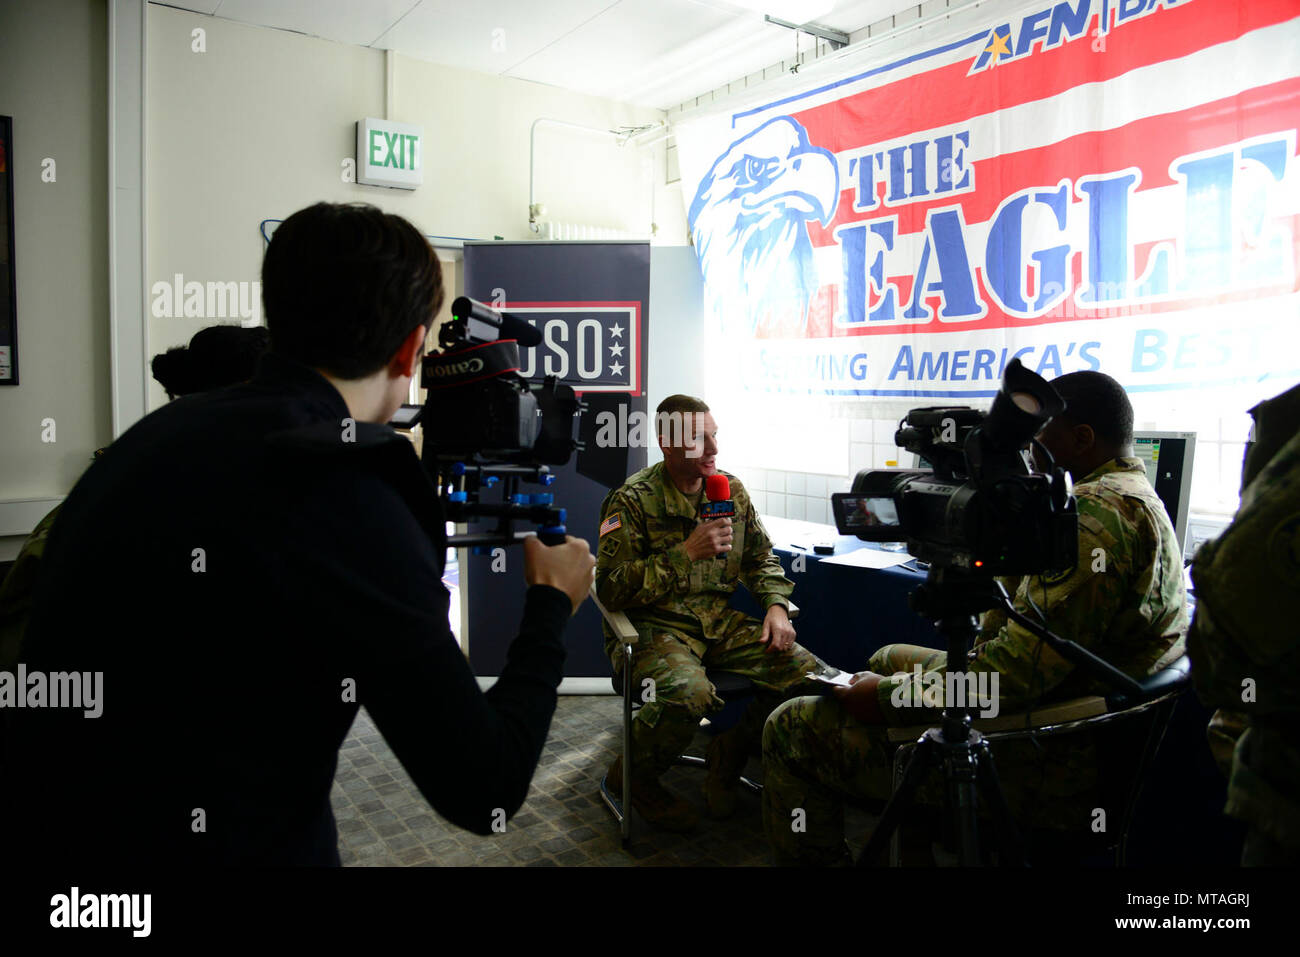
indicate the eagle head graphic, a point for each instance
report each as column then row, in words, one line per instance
column 748, row 223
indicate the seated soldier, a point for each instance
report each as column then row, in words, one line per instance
column 673, row 575
column 1125, row 601
column 1245, row 657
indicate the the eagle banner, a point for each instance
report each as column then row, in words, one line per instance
column 1088, row 184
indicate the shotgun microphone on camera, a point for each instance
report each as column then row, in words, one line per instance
column 506, row 326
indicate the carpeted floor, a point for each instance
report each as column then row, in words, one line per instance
column 383, row 820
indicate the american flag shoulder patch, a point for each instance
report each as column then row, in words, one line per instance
column 611, row 523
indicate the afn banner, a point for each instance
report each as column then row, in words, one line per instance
column 1088, row 184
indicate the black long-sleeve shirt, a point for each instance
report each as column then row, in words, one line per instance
column 246, row 567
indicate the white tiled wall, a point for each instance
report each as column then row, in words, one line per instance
column 790, row 493
column 812, row 503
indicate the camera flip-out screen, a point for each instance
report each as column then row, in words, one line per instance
column 855, row 514
column 406, row 416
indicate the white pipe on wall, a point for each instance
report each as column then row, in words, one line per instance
column 390, row 83
column 127, row 249
column 533, row 225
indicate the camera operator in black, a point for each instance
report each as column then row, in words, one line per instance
column 272, row 556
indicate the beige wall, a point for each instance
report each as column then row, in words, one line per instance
column 253, row 128
column 258, row 126
column 53, row 59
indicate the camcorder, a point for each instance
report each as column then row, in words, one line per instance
column 982, row 507
column 485, row 426
column 982, row 510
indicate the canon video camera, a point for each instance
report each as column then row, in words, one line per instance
column 485, row 425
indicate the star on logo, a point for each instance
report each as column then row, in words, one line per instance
column 616, row 350
column 616, row 369
column 999, row 45
column 616, row 330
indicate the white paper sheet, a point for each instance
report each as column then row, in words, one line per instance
column 843, row 679
column 787, row 531
column 869, row 558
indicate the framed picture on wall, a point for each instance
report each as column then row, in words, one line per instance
column 9, row 293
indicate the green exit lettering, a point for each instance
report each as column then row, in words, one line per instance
column 396, row 150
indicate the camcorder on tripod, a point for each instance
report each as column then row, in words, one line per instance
column 983, row 510
column 485, row 426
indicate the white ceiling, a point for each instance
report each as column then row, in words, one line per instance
column 656, row 53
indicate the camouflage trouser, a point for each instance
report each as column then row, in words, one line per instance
column 1264, row 790
column 681, row 694
column 815, row 755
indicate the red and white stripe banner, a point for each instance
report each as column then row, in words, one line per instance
column 1088, row 184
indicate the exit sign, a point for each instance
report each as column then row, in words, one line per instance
column 390, row 154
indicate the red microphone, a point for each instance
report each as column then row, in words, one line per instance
column 717, row 489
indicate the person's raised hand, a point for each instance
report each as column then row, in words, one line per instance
column 568, row 567
column 709, row 539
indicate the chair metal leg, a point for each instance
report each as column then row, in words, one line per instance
column 621, row 808
column 1161, row 714
column 626, row 821
column 615, row 807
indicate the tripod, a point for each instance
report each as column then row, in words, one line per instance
column 954, row 597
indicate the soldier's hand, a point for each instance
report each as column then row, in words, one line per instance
column 709, row 539
column 860, row 700
column 778, row 633
column 568, row 567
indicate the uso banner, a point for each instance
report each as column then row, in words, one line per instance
column 589, row 300
column 1088, row 184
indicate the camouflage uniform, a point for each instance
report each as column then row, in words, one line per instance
column 1245, row 656
column 1223, row 732
column 19, row 587
column 1134, row 615
column 17, row 591
column 679, row 609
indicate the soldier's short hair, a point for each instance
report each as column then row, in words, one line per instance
column 671, row 414
column 681, row 403
column 1095, row 399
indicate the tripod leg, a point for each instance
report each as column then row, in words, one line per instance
column 920, row 763
column 1010, row 847
column 960, row 773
